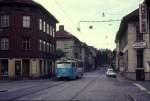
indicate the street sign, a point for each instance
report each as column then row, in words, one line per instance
column 143, row 18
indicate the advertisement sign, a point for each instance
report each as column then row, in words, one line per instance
column 143, row 18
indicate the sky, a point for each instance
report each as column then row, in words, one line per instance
column 70, row 12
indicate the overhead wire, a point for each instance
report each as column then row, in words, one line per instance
column 61, row 8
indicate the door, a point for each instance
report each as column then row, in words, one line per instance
column 140, row 74
column 18, row 69
column 4, row 69
column 26, row 68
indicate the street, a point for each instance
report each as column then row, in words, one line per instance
column 93, row 86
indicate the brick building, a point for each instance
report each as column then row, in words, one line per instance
column 27, row 40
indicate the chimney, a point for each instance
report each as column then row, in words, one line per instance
column 61, row 28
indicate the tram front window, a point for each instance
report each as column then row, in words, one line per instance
column 63, row 65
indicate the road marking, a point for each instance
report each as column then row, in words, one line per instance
column 148, row 92
column 140, row 87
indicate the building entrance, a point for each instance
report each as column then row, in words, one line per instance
column 26, row 68
column 18, row 69
column 140, row 74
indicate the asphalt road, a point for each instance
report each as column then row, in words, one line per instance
column 94, row 86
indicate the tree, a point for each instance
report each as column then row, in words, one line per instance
column 59, row 54
column 104, row 57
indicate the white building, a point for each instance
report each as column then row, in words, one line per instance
column 133, row 48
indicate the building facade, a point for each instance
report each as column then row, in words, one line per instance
column 27, row 40
column 68, row 44
column 92, row 58
column 76, row 49
column 85, row 57
column 133, row 48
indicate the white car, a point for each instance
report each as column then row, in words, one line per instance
column 110, row 73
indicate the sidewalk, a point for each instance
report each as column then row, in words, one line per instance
column 143, row 86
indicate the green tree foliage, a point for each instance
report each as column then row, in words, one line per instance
column 105, row 57
column 59, row 54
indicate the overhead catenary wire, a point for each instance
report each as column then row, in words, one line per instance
column 61, row 8
column 69, row 19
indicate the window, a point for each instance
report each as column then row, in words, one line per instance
column 47, row 28
column 44, row 46
column 26, row 43
column 40, row 45
column 4, row 21
column 40, row 24
column 50, row 31
column 53, row 32
column 66, row 54
column 26, row 21
column 53, row 48
column 44, row 26
column 4, row 44
column 140, row 58
column 48, row 47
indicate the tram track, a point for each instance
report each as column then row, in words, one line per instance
column 84, row 88
column 14, row 95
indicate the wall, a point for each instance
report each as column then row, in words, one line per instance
column 132, row 62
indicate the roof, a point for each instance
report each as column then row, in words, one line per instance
column 28, row 2
column 133, row 16
column 64, row 34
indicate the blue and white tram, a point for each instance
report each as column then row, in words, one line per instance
column 69, row 68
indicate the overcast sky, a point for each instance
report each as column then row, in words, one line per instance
column 70, row 12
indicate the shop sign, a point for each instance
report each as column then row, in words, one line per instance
column 143, row 18
column 141, row 44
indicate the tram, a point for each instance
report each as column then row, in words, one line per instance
column 69, row 68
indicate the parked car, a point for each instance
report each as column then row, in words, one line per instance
column 110, row 73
